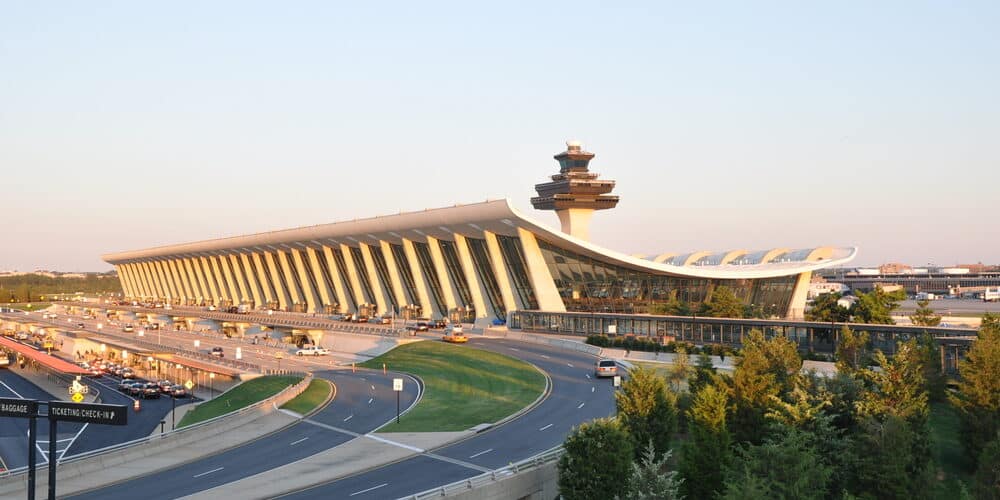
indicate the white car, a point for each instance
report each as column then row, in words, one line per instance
column 312, row 351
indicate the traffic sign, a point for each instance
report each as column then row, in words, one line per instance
column 89, row 413
column 77, row 397
column 397, row 384
column 618, row 380
column 189, row 385
column 19, row 408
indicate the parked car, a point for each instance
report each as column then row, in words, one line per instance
column 128, row 373
column 217, row 352
column 125, row 385
column 605, row 368
column 137, row 388
column 151, row 391
column 128, row 328
column 178, row 391
column 385, row 320
column 81, row 325
column 438, row 323
column 165, row 386
column 421, row 326
column 312, row 351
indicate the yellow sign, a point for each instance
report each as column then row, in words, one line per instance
column 189, row 385
column 77, row 397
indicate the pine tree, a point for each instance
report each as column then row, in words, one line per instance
column 647, row 409
column 650, row 479
column 978, row 395
column 876, row 306
column 707, row 449
column 924, row 315
column 764, row 372
column 786, row 466
column 723, row 303
column 598, row 457
column 853, row 351
column 826, row 308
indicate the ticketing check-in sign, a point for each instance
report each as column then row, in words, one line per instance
column 89, row 413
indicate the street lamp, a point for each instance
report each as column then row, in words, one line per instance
column 211, row 385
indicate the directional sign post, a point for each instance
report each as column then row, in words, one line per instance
column 76, row 412
column 25, row 408
column 397, row 386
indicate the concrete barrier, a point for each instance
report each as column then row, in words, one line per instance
column 534, row 478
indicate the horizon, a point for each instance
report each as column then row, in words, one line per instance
column 729, row 126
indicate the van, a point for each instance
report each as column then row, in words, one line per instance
column 605, row 368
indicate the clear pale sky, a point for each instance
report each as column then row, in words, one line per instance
column 126, row 125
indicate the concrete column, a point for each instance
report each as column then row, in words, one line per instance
column 352, row 275
column 477, row 289
column 196, row 289
column 381, row 295
column 538, row 273
column 325, row 294
column 199, row 264
column 448, row 289
column 289, row 278
column 797, row 304
column 238, row 276
column 168, row 285
column 158, row 284
column 217, row 275
column 423, row 290
column 500, row 271
column 125, row 281
column 207, row 279
column 135, row 291
column 177, row 291
column 234, row 291
column 397, row 282
column 143, row 284
column 283, row 301
column 312, row 296
column 337, row 279
column 177, row 267
column 255, row 288
column 262, row 277
column 154, row 285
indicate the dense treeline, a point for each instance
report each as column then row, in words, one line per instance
column 32, row 287
column 769, row 430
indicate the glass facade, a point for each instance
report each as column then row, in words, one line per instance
column 405, row 274
column 587, row 284
column 484, row 269
column 427, row 265
column 451, row 261
column 513, row 256
column 383, row 275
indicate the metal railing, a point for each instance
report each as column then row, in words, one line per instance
column 165, row 435
column 485, row 478
column 231, row 363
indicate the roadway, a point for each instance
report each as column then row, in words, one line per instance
column 364, row 401
column 576, row 397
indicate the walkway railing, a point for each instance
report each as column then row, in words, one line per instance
column 481, row 480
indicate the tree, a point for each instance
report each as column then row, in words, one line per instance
column 978, row 395
column 924, row 315
column 647, row 410
column 707, row 449
column 876, row 306
column 650, row 480
column 681, row 368
column 764, row 372
column 827, row 309
column 598, row 456
column 897, row 387
column 987, row 479
column 785, row 466
column 723, row 303
column 673, row 307
column 886, row 465
column 704, row 373
column 935, row 381
column 853, row 351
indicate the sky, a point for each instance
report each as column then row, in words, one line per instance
column 727, row 125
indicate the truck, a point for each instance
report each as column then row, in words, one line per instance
column 243, row 309
column 991, row 294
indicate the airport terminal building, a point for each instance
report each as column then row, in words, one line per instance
column 480, row 262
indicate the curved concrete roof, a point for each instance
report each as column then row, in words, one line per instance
column 499, row 217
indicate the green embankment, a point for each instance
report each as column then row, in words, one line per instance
column 310, row 399
column 463, row 386
column 238, row 397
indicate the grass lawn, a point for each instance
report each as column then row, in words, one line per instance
column 34, row 306
column 238, row 397
column 463, row 386
column 311, row 398
column 947, row 452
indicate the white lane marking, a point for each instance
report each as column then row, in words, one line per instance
column 581, row 406
column 373, row 387
column 71, row 440
column 394, row 443
column 349, row 417
column 546, row 427
column 293, row 443
column 481, row 453
column 545, row 356
column 592, row 389
column 588, row 375
column 370, row 400
column 513, row 348
column 12, row 390
column 569, row 365
column 369, row 489
column 208, row 472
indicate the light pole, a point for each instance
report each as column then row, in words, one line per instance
column 211, row 385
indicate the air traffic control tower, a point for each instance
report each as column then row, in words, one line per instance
column 575, row 192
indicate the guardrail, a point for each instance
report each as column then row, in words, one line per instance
column 485, row 478
column 571, row 345
column 177, row 435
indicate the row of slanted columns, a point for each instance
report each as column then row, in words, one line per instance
column 343, row 278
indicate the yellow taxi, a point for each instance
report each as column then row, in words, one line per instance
column 455, row 335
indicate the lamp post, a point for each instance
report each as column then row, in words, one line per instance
column 211, row 385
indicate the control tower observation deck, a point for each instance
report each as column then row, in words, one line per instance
column 575, row 192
